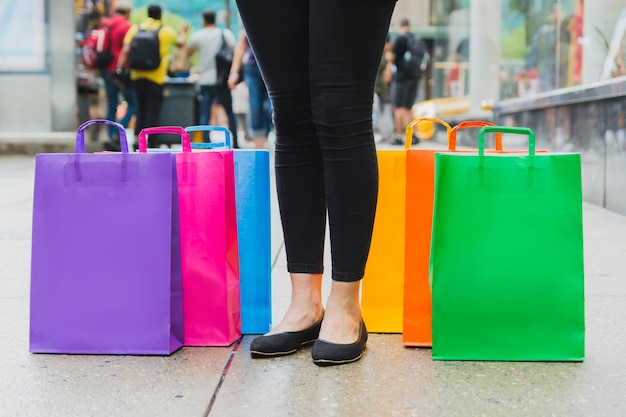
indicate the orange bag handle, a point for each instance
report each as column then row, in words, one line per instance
column 470, row 124
column 409, row 129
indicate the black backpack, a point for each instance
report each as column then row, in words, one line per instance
column 145, row 52
column 223, row 61
column 416, row 56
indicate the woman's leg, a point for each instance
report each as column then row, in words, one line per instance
column 298, row 163
column 321, row 89
column 344, row 61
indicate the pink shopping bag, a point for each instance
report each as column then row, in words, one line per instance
column 209, row 247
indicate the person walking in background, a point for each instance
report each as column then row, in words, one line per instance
column 260, row 106
column 241, row 108
column 542, row 56
column 454, row 85
column 146, row 51
column 383, row 106
column 405, row 82
column 321, row 83
column 118, row 25
column 207, row 43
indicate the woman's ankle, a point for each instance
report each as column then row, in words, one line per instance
column 343, row 313
column 305, row 307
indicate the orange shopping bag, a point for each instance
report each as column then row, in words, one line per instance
column 420, row 181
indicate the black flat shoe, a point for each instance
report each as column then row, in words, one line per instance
column 328, row 354
column 286, row 343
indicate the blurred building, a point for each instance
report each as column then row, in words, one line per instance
column 487, row 50
column 556, row 66
column 521, row 47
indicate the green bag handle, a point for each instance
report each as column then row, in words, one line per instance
column 506, row 129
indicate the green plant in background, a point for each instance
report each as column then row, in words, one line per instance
column 605, row 40
column 514, row 43
column 521, row 6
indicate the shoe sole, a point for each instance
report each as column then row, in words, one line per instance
column 330, row 362
column 257, row 354
column 260, row 355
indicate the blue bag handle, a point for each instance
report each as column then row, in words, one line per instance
column 206, row 128
column 80, row 134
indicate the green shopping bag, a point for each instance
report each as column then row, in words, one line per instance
column 506, row 263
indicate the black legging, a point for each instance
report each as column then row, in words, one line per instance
column 319, row 60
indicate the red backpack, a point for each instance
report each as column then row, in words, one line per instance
column 97, row 48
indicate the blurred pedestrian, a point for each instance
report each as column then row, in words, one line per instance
column 542, row 55
column 115, row 85
column 383, row 106
column 260, row 106
column 207, row 43
column 319, row 62
column 406, row 79
column 241, row 108
column 149, row 84
column 457, row 75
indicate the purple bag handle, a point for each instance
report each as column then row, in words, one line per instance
column 175, row 130
column 80, row 134
column 207, row 128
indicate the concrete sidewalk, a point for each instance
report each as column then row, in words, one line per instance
column 31, row 143
column 389, row 380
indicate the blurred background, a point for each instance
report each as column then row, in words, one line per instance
column 556, row 66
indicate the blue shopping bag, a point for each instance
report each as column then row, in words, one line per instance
column 252, row 190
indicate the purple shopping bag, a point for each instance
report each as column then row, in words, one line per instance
column 105, row 272
column 208, row 231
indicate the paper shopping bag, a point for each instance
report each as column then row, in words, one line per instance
column 381, row 294
column 507, row 256
column 105, row 266
column 383, row 284
column 252, row 190
column 208, row 231
column 420, row 180
column 420, row 172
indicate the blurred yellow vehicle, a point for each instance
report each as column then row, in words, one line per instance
column 442, row 108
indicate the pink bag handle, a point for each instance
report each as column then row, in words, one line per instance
column 175, row 130
column 80, row 134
